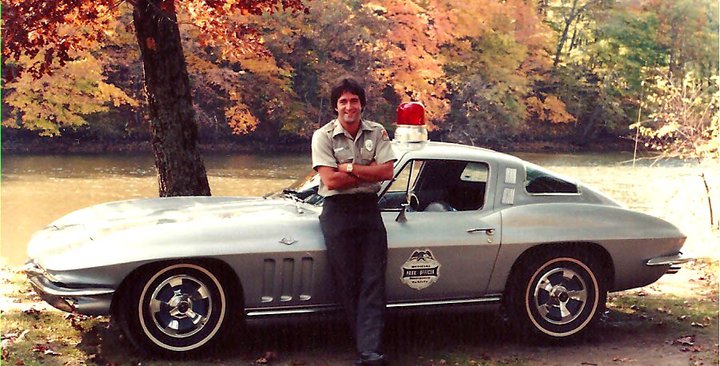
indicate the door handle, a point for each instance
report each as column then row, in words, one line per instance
column 489, row 231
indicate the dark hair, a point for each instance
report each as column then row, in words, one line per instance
column 348, row 85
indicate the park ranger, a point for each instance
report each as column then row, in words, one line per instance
column 353, row 156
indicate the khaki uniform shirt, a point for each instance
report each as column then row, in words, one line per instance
column 332, row 145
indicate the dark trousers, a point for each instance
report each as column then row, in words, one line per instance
column 356, row 243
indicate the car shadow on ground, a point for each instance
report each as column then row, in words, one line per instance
column 419, row 338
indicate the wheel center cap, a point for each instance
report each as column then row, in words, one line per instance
column 180, row 304
column 559, row 293
column 183, row 307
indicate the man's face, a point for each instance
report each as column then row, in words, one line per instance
column 348, row 108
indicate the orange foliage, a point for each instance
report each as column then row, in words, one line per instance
column 550, row 109
column 414, row 41
column 60, row 28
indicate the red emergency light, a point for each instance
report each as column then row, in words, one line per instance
column 411, row 123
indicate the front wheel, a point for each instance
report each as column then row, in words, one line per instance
column 177, row 309
column 557, row 296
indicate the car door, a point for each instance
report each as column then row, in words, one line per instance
column 444, row 245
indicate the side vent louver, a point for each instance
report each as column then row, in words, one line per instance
column 289, row 284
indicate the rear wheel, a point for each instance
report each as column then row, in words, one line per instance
column 557, row 297
column 177, row 309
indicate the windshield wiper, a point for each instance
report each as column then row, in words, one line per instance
column 292, row 194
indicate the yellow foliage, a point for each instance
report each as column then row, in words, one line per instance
column 63, row 98
column 682, row 117
column 241, row 119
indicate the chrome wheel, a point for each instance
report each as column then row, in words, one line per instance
column 556, row 296
column 181, row 306
column 560, row 296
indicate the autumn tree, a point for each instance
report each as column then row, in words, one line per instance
column 64, row 99
column 56, row 32
column 682, row 118
column 336, row 37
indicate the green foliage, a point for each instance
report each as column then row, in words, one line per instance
column 626, row 48
column 486, row 85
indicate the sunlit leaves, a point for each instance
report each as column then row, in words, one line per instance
column 56, row 30
column 64, row 99
column 683, row 118
column 62, row 28
column 491, row 66
column 550, row 109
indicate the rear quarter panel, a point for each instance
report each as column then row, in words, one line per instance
column 630, row 238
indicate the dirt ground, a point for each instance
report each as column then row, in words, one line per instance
column 672, row 322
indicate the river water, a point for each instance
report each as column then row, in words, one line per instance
column 39, row 189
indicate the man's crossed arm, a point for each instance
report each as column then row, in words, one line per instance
column 339, row 178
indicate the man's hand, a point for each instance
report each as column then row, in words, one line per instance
column 373, row 172
column 337, row 178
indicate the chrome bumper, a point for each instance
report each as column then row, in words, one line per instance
column 86, row 300
column 673, row 261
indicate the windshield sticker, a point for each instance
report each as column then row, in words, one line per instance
column 510, row 175
column 420, row 270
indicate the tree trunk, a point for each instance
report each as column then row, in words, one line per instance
column 563, row 38
column 181, row 171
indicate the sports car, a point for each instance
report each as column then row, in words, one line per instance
column 465, row 225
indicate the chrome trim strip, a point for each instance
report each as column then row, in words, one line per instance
column 312, row 310
column 446, row 302
column 668, row 260
column 554, row 194
column 323, row 308
column 51, row 289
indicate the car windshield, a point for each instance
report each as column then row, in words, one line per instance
column 304, row 189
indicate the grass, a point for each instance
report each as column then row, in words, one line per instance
column 32, row 334
column 42, row 338
column 669, row 310
column 653, row 310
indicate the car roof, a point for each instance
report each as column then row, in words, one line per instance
column 451, row 151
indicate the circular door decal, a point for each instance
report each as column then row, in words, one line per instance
column 420, row 270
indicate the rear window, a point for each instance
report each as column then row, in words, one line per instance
column 540, row 181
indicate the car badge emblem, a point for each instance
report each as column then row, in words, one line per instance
column 369, row 145
column 288, row 241
column 420, row 270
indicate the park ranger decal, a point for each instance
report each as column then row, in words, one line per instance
column 420, row 270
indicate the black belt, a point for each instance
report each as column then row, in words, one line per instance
column 353, row 198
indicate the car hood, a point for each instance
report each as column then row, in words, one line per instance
column 172, row 216
column 170, row 209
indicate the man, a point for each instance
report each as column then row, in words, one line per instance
column 352, row 157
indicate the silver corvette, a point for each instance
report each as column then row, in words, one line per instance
column 466, row 226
